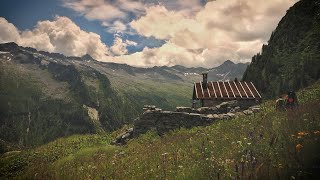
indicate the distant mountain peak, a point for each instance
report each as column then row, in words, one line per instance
column 9, row 46
column 87, row 57
column 228, row 62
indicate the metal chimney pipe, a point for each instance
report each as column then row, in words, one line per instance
column 204, row 79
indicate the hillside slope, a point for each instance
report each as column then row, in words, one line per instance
column 291, row 60
column 266, row 145
column 44, row 95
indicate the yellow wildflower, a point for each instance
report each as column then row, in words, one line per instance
column 299, row 147
column 301, row 133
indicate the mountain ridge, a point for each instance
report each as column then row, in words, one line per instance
column 291, row 60
column 9, row 46
column 44, row 95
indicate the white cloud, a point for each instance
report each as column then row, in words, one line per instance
column 160, row 23
column 106, row 11
column 167, row 55
column 120, row 47
column 131, row 43
column 115, row 27
column 8, row 32
column 63, row 36
column 203, row 36
column 233, row 29
column 60, row 35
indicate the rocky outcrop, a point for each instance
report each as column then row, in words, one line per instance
column 123, row 137
column 161, row 122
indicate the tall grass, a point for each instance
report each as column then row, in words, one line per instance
column 266, row 145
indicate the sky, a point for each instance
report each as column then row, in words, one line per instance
column 144, row 33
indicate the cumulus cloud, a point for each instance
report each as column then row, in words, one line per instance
column 104, row 10
column 60, row 35
column 115, row 27
column 185, row 6
column 115, row 14
column 8, row 32
column 195, row 33
column 233, row 29
column 167, row 55
column 120, row 47
column 164, row 23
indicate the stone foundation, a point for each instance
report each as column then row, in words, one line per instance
column 163, row 121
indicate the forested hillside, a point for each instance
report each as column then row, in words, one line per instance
column 291, row 59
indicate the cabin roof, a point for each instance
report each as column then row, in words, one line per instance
column 226, row 90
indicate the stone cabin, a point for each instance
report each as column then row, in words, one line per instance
column 213, row 93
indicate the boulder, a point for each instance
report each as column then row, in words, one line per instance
column 240, row 114
column 227, row 104
column 255, row 108
column 216, row 116
column 210, row 116
column 157, row 110
column 235, row 109
column 207, row 110
column 231, row 115
column 203, row 110
column 225, row 116
column 123, row 137
column 226, row 107
column 184, row 109
column 149, row 107
column 213, row 116
column 248, row 112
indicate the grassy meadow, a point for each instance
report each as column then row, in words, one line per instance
column 266, row 145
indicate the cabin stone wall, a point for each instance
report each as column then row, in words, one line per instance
column 211, row 103
column 243, row 104
column 163, row 121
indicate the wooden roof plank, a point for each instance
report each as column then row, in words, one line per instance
column 208, row 91
column 195, row 87
column 200, row 94
column 249, row 89
column 237, row 89
column 244, row 90
column 226, row 89
column 215, row 94
column 255, row 89
column 202, row 89
column 220, row 90
column 232, row 89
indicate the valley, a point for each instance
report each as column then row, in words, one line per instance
column 43, row 95
column 67, row 115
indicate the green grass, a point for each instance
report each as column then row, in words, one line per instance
column 29, row 162
column 166, row 95
column 266, row 145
